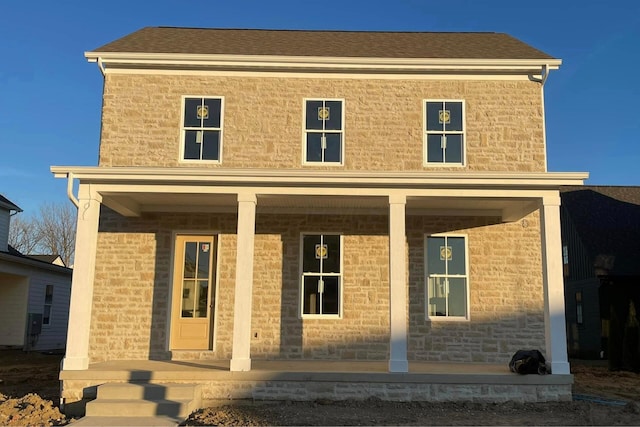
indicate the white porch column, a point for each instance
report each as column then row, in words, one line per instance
column 397, row 284
column 77, row 352
column 241, row 358
column 554, row 319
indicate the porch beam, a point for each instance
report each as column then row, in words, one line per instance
column 554, row 317
column 77, row 350
column 397, row 285
column 240, row 354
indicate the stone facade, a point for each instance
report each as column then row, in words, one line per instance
column 133, row 285
column 263, row 121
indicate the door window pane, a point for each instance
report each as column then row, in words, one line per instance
column 188, row 298
column 203, row 293
column 190, row 254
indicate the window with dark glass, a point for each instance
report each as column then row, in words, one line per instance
column 447, row 279
column 321, row 274
column 202, row 129
column 444, row 127
column 323, row 131
column 48, row 303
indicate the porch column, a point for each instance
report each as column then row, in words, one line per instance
column 77, row 352
column 554, row 319
column 397, row 285
column 241, row 358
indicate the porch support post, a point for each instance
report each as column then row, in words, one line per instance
column 397, row 285
column 241, row 358
column 77, row 351
column 554, row 319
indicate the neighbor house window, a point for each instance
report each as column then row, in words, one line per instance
column 447, row 278
column 579, row 319
column 323, row 131
column 48, row 302
column 321, row 282
column 444, row 132
column 202, row 129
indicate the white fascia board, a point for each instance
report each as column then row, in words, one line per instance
column 354, row 179
column 126, row 59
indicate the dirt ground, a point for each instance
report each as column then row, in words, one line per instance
column 29, row 395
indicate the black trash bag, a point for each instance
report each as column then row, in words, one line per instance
column 528, row 362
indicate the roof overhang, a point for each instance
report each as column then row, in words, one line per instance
column 132, row 191
column 109, row 61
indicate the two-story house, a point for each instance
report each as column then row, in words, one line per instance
column 319, row 214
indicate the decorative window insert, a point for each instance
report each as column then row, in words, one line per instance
column 324, row 130
column 48, row 303
column 202, row 129
column 444, row 132
column 447, row 289
column 321, row 281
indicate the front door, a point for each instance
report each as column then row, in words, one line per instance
column 193, row 293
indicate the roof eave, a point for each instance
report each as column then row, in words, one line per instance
column 164, row 60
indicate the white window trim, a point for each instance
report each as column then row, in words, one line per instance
column 304, row 133
column 301, row 315
column 425, row 160
column 467, row 317
column 181, row 158
column 44, row 304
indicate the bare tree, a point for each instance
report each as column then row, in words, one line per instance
column 23, row 234
column 52, row 232
column 57, row 230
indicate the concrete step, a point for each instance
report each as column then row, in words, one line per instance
column 148, row 391
column 145, row 400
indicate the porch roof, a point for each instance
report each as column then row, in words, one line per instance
column 133, row 190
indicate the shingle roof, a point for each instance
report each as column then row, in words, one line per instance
column 363, row 44
column 8, row 204
column 607, row 218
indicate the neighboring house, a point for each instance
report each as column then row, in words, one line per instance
column 601, row 252
column 34, row 294
column 304, row 214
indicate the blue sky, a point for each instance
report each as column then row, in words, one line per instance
column 50, row 97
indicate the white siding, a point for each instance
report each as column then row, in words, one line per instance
column 13, row 309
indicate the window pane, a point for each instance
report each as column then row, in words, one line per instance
column 455, row 116
column 203, row 259
column 331, row 264
column 313, row 113
column 203, row 294
column 311, row 297
column 434, row 149
column 437, row 296
column 210, row 145
column 436, row 255
column 331, row 295
column 46, row 316
column 311, row 260
column 191, row 112
column 212, row 118
column 453, row 153
column 333, row 152
column 457, row 297
column 457, row 263
column 433, row 116
column 48, row 294
column 191, row 147
column 188, row 297
column 190, row 250
column 314, row 147
column 334, row 119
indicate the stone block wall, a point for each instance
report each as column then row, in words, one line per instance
column 263, row 121
column 133, row 286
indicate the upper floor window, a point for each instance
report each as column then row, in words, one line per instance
column 202, row 129
column 447, row 278
column 323, row 131
column 321, row 280
column 444, row 132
